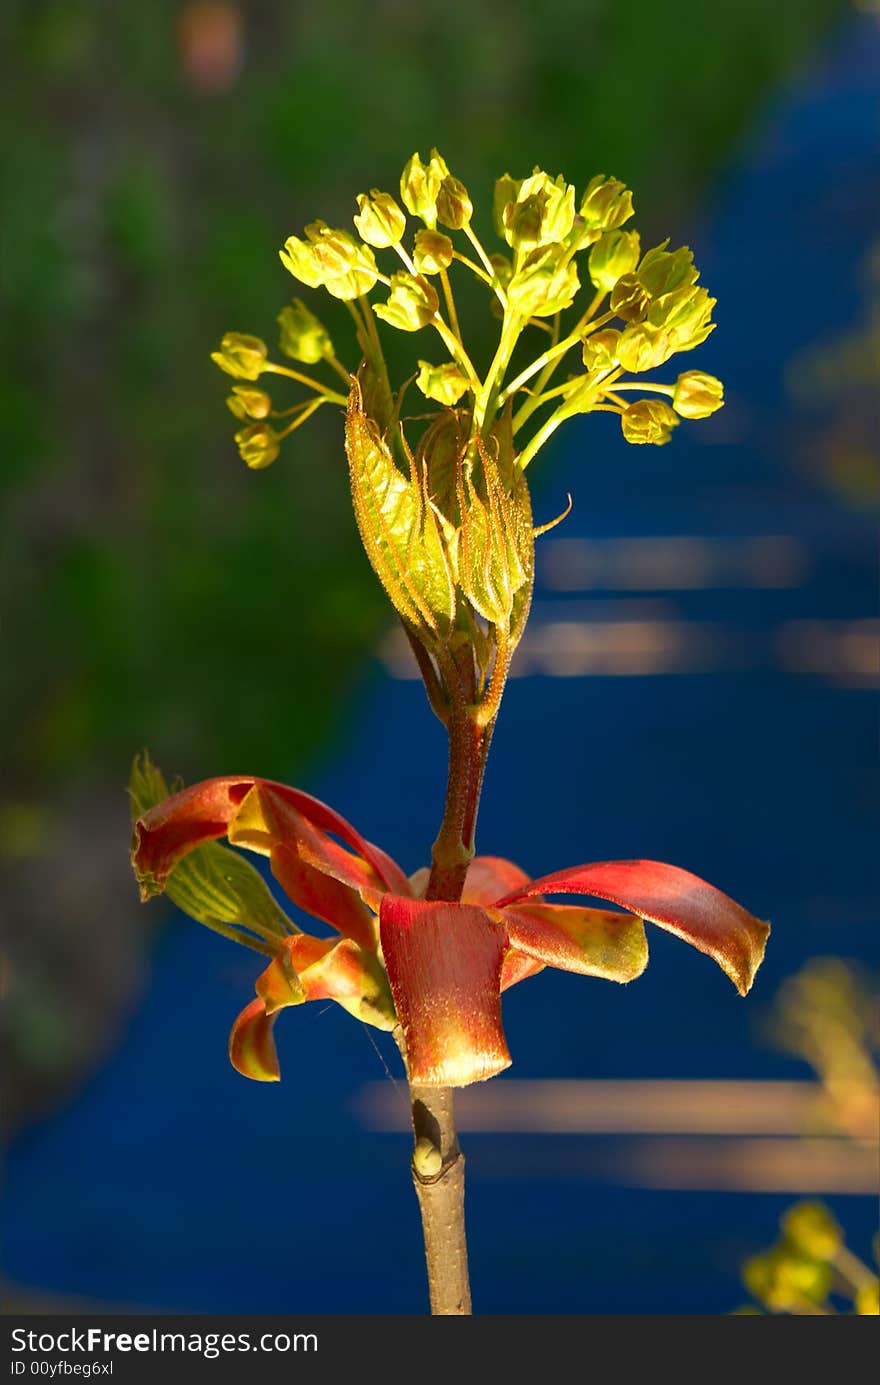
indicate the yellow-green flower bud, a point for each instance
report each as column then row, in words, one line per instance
column 543, row 213
column 522, row 222
column 336, row 252
column 241, row 356
column 648, row 420
column 868, row 1300
column 432, row 252
column 412, row 303
column 642, row 347
column 545, row 284
column 614, row 254
column 349, row 267
column 811, row 1229
column 419, row 186
column 664, row 271
column 629, row 298
column 697, row 395
column 785, row 1281
column 380, row 222
column 248, row 403
column 454, row 206
column 445, row 383
column 685, row 315
column 299, row 258
column 607, row 204
column 303, row 336
column 600, row 350
column 506, row 193
column 332, row 258
column 258, row 444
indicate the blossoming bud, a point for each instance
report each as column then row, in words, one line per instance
column 542, row 214
column 411, row 304
column 648, row 420
column 697, row 395
column 445, row 383
column 454, row 206
column 506, row 193
column 380, row 221
column 614, row 254
column 685, row 315
column 258, row 444
column 600, row 350
column 303, row 336
column 662, row 271
column 607, row 204
column 332, row 258
column 642, row 347
column 545, row 284
column 432, row 252
column 249, row 403
column 349, row 267
column 811, row 1229
column 419, row 186
column 629, row 298
column 784, row 1281
column 298, row 257
column 335, row 251
column 241, row 356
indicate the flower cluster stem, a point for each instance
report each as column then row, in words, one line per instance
column 453, row 849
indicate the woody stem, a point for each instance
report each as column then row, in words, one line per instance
column 438, row 1178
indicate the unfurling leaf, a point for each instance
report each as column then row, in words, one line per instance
column 213, row 885
column 496, row 542
column 398, row 528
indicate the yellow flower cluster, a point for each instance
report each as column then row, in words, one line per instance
column 554, row 242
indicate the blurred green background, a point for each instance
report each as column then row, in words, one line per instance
column 153, row 157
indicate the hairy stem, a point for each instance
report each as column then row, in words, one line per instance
column 469, row 742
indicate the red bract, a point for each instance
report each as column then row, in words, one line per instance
column 447, row 963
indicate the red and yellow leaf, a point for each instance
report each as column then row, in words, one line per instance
column 674, row 899
column 251, row 1045
column 444, row 963
column 592, row 942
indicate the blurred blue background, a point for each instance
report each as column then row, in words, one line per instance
column 695, row 686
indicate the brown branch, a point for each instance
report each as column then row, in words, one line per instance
column 438, row 1178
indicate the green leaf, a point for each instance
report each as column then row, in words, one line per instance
column 399, row 530
column 496, row 542
column 213, row 884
